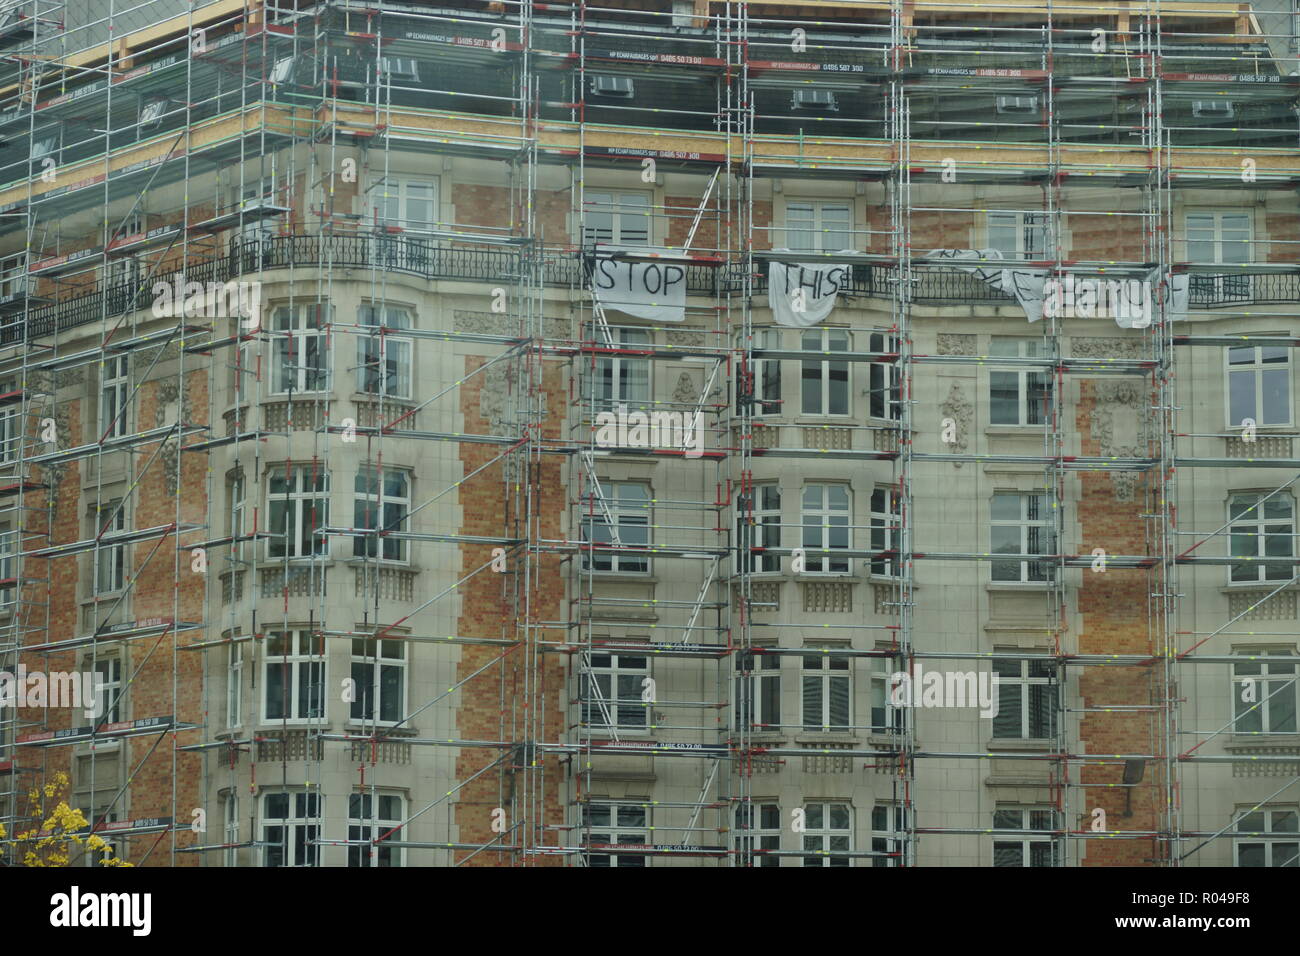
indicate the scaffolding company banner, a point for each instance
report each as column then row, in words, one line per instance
column 647, row 290
column 802, row 294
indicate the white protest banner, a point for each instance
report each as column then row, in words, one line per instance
column 648, row 290
column 801, row 294
column 1024, row 285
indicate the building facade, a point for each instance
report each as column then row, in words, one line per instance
column 497, row 434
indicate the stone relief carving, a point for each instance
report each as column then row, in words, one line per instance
column 686, row 392
column 962, row 411
column 956, row 343
column 685, row 337
column 502, row 323
column 1119, row 427
column 1120, row 348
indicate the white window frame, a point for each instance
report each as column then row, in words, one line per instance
column 385, row 363
column 235, row 684
column 766, row 376
column 303, row 813
column 13, row 275
column 822, row 836
column 885, row 380
column 1255, row 524
column 760, row 528
column 368, row 822
column 826, row 672
column 886, row 529
column 1027, row 678
column 398, row 201
column 621, row 827
column 1029, row 818
column 765, row 834
column 1027, row 524
column 372, row 500
column 821, row 341
column 627, row 516
column 306, row 508
column 296, row 330
column 1281, row 850
column 1028, row 410
column 889, row 834
column 1256, row 368
column 115, row 396
column 309, row 671
column 111, row 705
column 808, row 229
column 1276, row 689
column 620, row 682
column 819, row 522
column 618, row 380
column 8, row 572
column 615, row 203
column 384, row 658
column 1032, row 232
column 757, row 692
column 111, row 573
column 230, row 828
column 1221, row 288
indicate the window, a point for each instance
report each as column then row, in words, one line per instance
column 110, row 559
column 1219, row 237
column 826, row 527
column 628, row 505
column 99, row 818
column 8, row 570
column 1026, row 700
column 298, row 505
column 885, row 391
column 383, row 360
column 108, row 678
column 400, row 69
column 616, row 218
column 1275, row 840
column 763, row 376
column 1020, row 526
column 613, row 87
column 235, row 684
column 758, row 692
column 828, row 835
column 886, row 529
column 300, row 360
column 758, row 827
column 610, row 688
column 827, row 692
column 235, row 516
column 1259, row 385
column 1019, row 396
column 1261, row 526
column 10, row 412
column 1024, row 848
column 379, row 675
column 293, row 676
column 825, row 384
column 231, row 830
column 622, row 379
column 13, row 276
column 114, row 396
column 888, row 832
column 758, row 525
column 365, row 824
column 885, row 718
column 814, row 100
column 614, row 824
column 408, row 204
column 1017, row 105
column 289, row 830
column 818, row 226
column 1020, row 235
column 1264, row 694
column 382, row 503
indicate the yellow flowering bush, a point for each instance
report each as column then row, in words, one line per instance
column 57, row 828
